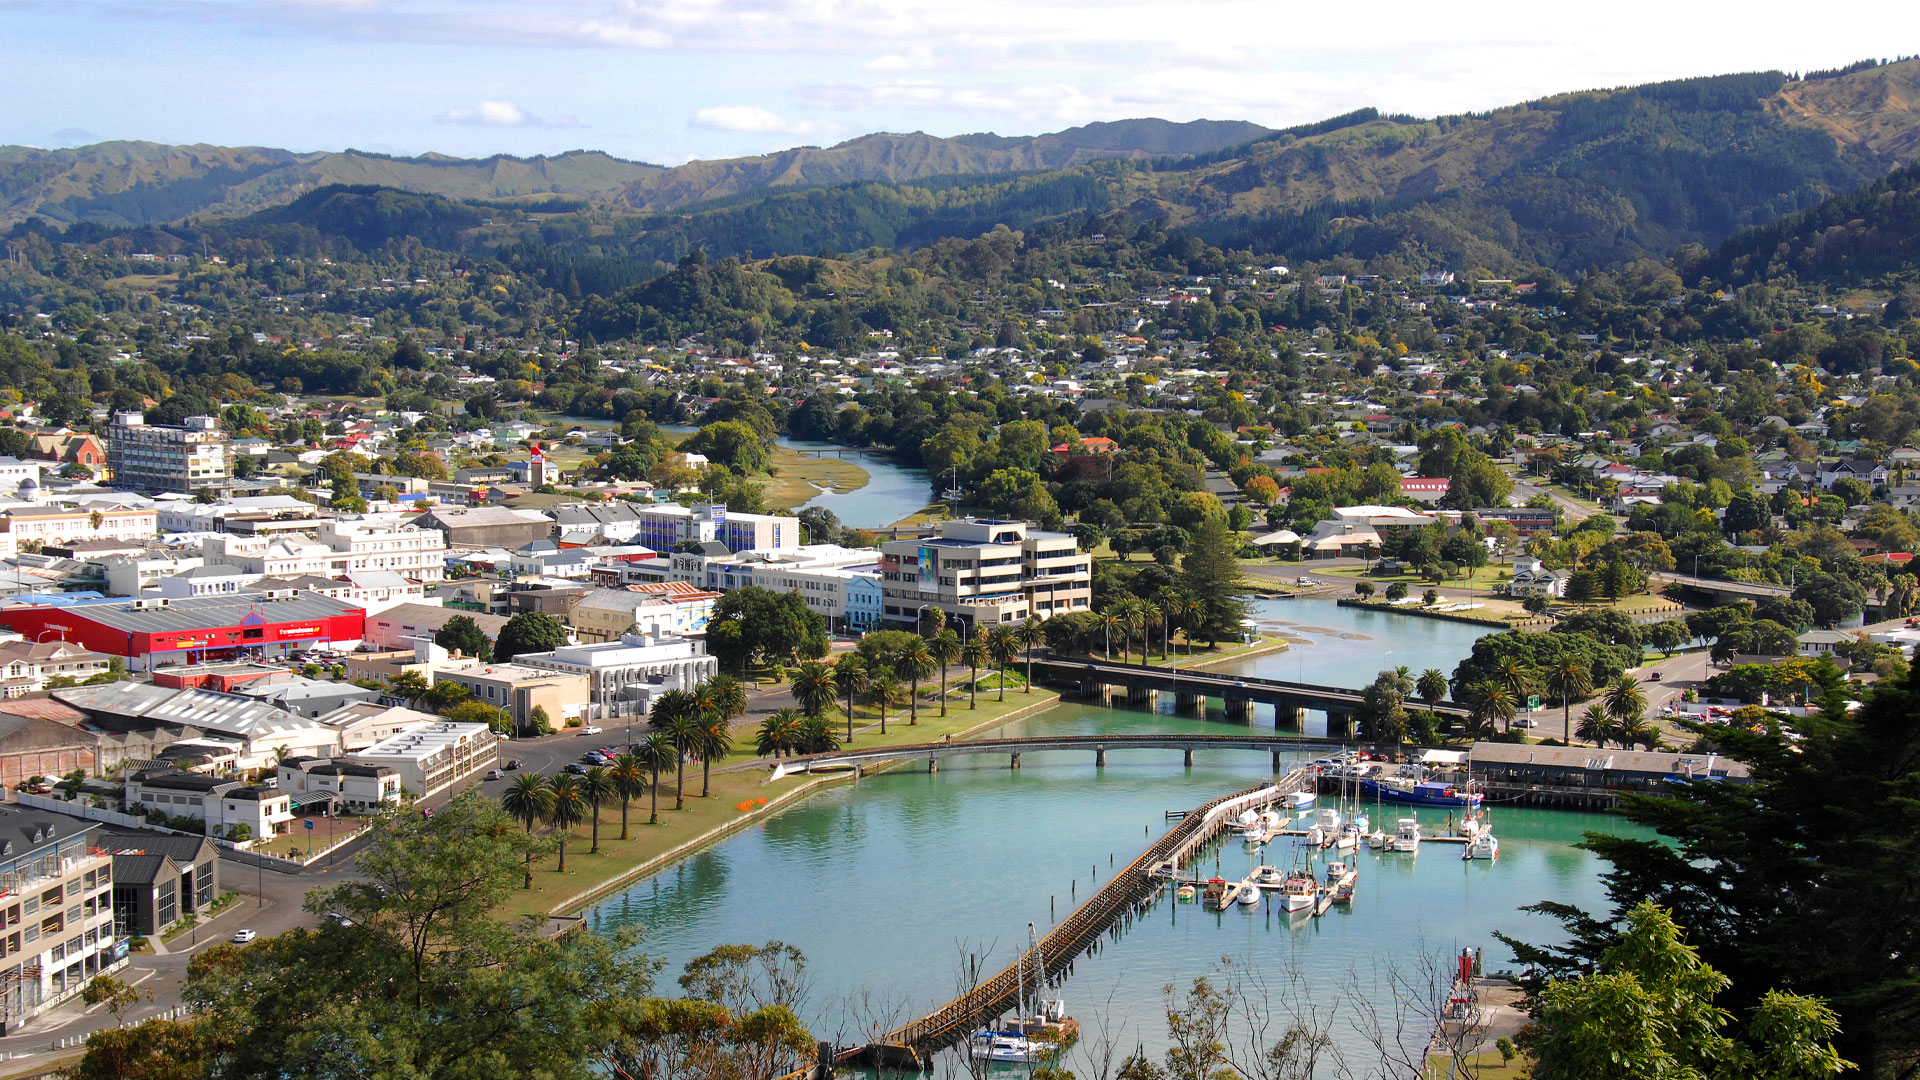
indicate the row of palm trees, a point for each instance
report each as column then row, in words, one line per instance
column 563, row 802
column 1619, row 716
column 1131, row 617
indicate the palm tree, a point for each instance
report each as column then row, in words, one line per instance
column 1570, row 679
column 814, row 688
column 1004, row 646
column 816, row 737
column 712, row 740
column 527, row 800
column 1641, row 733
column 724, row 696
column 1031, row 633
column 1625, row 701
column 1432, row 687
column 677, row 716
column 596, row 787
column 1596, row 726
column 569, row 809
column 1491, row 702
column 1140, row 618
column 656, row 752
column 915, row 661
column 850, row 678
column 779, row 732
column 886, row 691
column 1111, row 620
column 975, row 653
column 629, row 775
column 1171, row 602
column 1517, row 677
column 945, row 649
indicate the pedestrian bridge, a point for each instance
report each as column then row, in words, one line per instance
column 1273, row 745
column 1721, row 589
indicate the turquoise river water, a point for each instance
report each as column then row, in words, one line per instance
column 883, row 883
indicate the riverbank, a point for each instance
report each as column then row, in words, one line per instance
column 797, row 478
column 1427, row 613
column 741, row 778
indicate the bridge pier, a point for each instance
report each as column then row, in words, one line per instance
column 1100, row 758
column 1276, row 763
column 1187, row 757
column 1143, row 697
column 1015, row 763
column 1339, row 725
column 933, row 764
column 1185, row 701
column 1239, row 710
column 1286, row 716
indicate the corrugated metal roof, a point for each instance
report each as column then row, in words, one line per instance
column 200, row 612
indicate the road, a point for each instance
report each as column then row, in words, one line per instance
column 1573, row 510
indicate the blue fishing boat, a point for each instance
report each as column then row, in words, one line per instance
column 1420, row 792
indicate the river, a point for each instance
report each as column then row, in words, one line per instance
column 891, row 493
column 882, row 883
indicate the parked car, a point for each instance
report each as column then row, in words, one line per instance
column 339, row 919
column 241, row 937
column 575, row 767
column 494, row 774
column 512, row 764
column 590, row 729
column 1526, row 722
column 1303, row 580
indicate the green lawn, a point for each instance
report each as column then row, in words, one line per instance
column 739, row 778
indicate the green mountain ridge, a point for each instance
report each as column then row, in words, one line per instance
column 1849, row 239
column 121, row 184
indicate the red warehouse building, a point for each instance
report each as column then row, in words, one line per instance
column 159, row 633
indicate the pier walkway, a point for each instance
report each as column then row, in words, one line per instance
column 1126, row 894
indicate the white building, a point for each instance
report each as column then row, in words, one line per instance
column 365, row 723
column 59, row 907
column 203, row 581
column 340, row 548
column 353, row 785
column 430, row 758
column 222, row 805
column 132, row 575
column 626, row 675
column 43, row 525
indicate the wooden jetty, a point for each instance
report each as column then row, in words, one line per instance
column 1129, row 892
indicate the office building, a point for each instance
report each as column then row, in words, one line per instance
column 158, row 457
column 984, row 572
column 626, row 675
column 56, row 913
column 430, row 758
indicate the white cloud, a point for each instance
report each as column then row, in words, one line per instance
column 504, row 114
column 747, row 119
column 918, row 58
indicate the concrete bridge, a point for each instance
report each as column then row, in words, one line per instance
column 1140, row 686
column 1720, row 589
column 1273, row 745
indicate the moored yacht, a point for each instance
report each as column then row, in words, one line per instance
column 1406, row 836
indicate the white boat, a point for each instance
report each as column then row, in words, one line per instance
column 1316, row 837
column 1268, row 877
column 1328, row 819
column 1406, row 836
column 1377, row 840
column 1005, row 1046
column 1349, row 838
column 1249, row 892
column 1361, row 823
column 1299, row 891
column 1483, row 846
column 1300, row 800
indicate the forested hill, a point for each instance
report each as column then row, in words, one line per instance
column 120, row 184
column 1849, row 239
column 1580, row 180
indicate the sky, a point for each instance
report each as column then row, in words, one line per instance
column 669, row 81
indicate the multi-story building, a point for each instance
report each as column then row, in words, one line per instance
column 516, row 688
column 339, row 548
column 21, row 526
column 159, row 457
column 982, row 572
column 431, row 758
column 670, row 607
column 249, row 515
column 627, row 674
column 56, row 913
column 665, row 526
column 226, row 808
column 351, row 785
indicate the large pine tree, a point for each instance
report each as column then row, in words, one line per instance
column 1211, row 573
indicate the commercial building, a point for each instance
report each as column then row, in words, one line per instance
column 431, row 758
column 626, row 675
column 343, row 784
column 226, row 808
column 983, row 572
column 56, row 913
column 41, row 739
column 154, row 633
column 246, row 515
column 364, row 723
column 486, row 526
column 250, row 734
column 341, row 548
column 398, row 626
column 159, row 878
column 664, row 526
column 25, row 666
column 661, row 609
column 1584, row 769
column 517, row 688
column 21, row 526
column 157, row 457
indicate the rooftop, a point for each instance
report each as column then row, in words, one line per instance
column 228, row 714
column 426, row 740
column 200, row 612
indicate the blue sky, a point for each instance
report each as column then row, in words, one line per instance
column 672, row 80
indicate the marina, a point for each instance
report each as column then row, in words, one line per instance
column 921, row 859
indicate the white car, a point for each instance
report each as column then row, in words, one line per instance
column 1526, row 723
column 241, row 937
column 590, row 730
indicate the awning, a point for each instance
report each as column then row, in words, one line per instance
column 310, row 798
column 1443, row 757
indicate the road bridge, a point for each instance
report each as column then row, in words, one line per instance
column 1274, row 745
column 1722, row 590
column 1140, row 685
